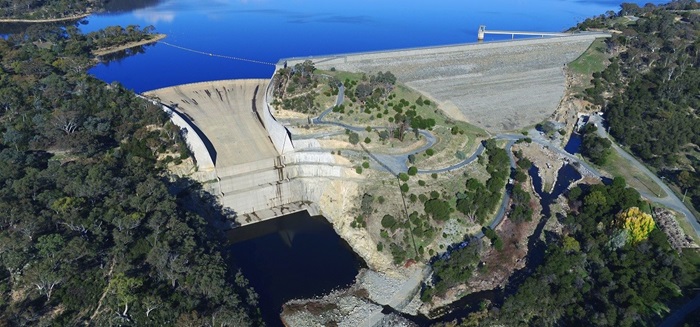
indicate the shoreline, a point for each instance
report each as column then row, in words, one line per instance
column 106, row 51
column 46, row 20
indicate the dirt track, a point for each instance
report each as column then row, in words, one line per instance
column 498, row 86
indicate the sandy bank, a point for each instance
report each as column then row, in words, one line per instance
column 106, row 51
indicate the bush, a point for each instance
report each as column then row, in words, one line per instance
column 433, row 175
column 413, row 197
column 354, row 138
column 412, row 158
column 398, row 253
column 403, row 177
column 404, row 188
column 368, row 140
column 358, row 170
column 412, row 170
column 421, row 182
column 388, row 221
column 498, row 244
column 365, row 165
column 380, row 246
column 430, row 152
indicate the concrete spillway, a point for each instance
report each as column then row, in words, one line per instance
column 257, row 174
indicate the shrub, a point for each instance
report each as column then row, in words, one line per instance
column 498, row 244
column 404, row 187
column 421, row 182
column 358, row 170
column 403, row 177
column 430, row 152
column 354, row 138
column 368, row 140
column 365, row 165
column 412, row 170
column 524, row 163
column 388, row 221
column 422, row 198
column 433, row 175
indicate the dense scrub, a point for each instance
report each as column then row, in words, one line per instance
column 478, row 201
column 93, row 231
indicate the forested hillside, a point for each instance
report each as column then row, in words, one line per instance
column 650, row 92
column 611, row 267
column 92, row 231
column 47, row 9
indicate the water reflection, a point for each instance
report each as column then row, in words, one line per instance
column 120, row 6
column 118, row 56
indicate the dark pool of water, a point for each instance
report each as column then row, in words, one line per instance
column 574, row 144
column 566, row 175
column 296, row 256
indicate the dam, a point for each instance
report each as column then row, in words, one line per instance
column 498, row 86
column 259, row 173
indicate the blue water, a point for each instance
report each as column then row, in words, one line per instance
column 574, row 144
column 268, row 30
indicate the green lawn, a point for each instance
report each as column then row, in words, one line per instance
column 593, row 60
column 618, row 166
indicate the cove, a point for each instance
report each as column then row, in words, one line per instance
column 292, row 257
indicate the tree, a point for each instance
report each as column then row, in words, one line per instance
column 437, row 209
column 412, row 171
column 388, row 221
column 124, row 288
column 637, row 223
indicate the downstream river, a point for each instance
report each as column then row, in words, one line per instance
column 302, row 256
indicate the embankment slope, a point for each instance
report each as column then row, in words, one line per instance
column 499, row 86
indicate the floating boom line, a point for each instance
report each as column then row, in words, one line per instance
column 217, row 55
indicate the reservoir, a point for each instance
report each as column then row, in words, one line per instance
column 268, row 31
